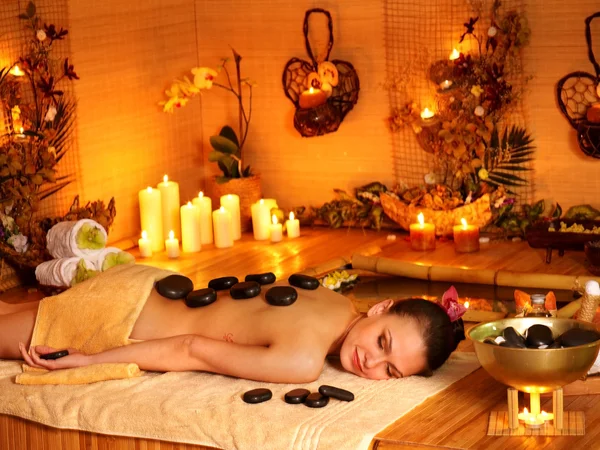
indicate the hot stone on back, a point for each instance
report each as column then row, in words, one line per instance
column 175, row 287
column 223, row 283
column 303, row 281
column 262, row 278
column 245, row 290
column 281, row 296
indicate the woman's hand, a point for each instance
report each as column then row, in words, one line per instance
column 73, row 359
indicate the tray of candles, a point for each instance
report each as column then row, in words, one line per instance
column 562, row 234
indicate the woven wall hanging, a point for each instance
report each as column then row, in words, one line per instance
column 578, row 96
column 322, row 91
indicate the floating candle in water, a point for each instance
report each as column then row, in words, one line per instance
column 454, row 55
column 427, row 114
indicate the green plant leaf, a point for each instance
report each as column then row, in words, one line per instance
column 229, row 133
column 514, row 167
column 224, row 145
column 222, row 180
column 557, row 212
column 224, row 169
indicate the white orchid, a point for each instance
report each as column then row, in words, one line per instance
column 19, row 242
column 50, row 114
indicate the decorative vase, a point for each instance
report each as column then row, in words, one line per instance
column 247, row 188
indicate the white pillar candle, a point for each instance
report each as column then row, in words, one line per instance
column 222, row 228
column 145, row 245
column 292, row 226
column 151, row 217
column 231, row 203
column 271, row 203
column 204, row 205
column 261, row 220
column 172, row 245
column 169, row 195
column 190, row 229
column 276, row 230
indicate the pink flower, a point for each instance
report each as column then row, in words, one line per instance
column 450, row 303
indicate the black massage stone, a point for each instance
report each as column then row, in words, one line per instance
column 244, row 290
column 555, row 344
column 296, row 396
column 175, row 287
column 262, row 278
column 316, row 400
column 514, row 339
column 303, row 282
column 201, row 297
column 223, row 283
column 578, row 336
column 281, row 296
column 490, row 340
column 257, row 395
column 340, row 394
column 539, row 335
column 55, row 355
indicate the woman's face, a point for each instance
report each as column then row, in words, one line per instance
column 382, row 346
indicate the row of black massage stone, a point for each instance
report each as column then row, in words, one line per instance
column 296, row 396
column 176, row 287
column 540, row 336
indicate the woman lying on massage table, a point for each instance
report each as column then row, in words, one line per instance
column 254, row 340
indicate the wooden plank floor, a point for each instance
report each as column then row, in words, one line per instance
column 454, row 418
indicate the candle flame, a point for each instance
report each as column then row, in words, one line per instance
column 166, row 179
column 467, row 304
column 525, row 411
column 274, row 219
column 427, row 114
column 189, row 204
column 149, row 189
column 200, row 194
column 17, row 72
column 421, row 219
column 311, row 90
column 222, row 209
column 464, row 223
column 454, row 55
column 171, row 234
column 544, row 413
column 291, row 216
column 21, row 130
column 262, row 202
column 144, row 234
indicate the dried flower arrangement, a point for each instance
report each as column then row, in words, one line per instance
column 475, row 151
column 227, row 146
column 39, row 119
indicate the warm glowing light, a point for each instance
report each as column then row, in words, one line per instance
column 311, row 90
column 421, row 219
column 427, row 114
column 21, row 130
column 454, row 55
column 189, row 204
column 291, row 216
column 200, row 194
column 261, row 201
column 222, row 209
column 144, row 234
column 445, row 84
column 171, row 234
column 463, row 221
column 149, row 189
column 467, row 304
column 165, row 179
column 274, row 219
column 525, row 411
column 17, row 72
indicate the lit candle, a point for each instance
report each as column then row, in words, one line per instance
column 454, row 55
column 427, row 114
column 466, row 237
column 445, row 84
column 16, row 71
column 292, row 226
column 231, row 203
column 190, row 228
column 261, row 219
column 276, row 230
column 169, row 193
column 145, row 245
column 151, row 217
column 172, row 245
column 466, row 304
column 204, row 205
column 422, row 235
column 222, row 228
column 312, row 98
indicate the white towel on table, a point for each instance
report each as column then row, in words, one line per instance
column 61, row 239
column 59, row 272
column 99, row 257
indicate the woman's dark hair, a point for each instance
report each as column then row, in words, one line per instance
column 440, row 335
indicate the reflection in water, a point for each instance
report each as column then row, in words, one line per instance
column 479, row 296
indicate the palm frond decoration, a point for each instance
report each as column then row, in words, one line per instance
column 508, row 154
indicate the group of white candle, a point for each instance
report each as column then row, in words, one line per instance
column 164, row 222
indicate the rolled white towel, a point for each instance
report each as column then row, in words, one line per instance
column 109, row 257
column 75, row 238
column 64, row 272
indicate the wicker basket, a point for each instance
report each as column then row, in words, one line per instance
column 247, row 188
column 476, row 213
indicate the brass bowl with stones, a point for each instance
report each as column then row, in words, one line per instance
column 532, row 369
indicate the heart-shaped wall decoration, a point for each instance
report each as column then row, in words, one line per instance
column 322, row 91
column 578, row 96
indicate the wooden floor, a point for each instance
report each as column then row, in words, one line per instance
column 455, row 418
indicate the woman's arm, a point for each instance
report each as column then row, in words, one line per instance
column 277, row 363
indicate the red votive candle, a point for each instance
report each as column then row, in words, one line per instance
column 466, row 237
column 422, row 235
